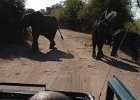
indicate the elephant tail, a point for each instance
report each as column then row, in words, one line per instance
column 60, row 34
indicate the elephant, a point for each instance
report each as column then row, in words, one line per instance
column 100, row 33
column 99, row 36
column 123, row 38
column 114, row 20
column 44, row 25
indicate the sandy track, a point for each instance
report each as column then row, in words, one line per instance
column 70, row 67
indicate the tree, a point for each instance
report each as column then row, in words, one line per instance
column 134, row 26
column 60, row 15
column 30, row 10
column 53, row 7
column 11, row 12
column 82, row 14
column 71, row 9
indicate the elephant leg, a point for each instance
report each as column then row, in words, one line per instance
column 94, row 50
column 134, row 52
column 135, row 55
column 35, row 42
column 114, row 52
column 100, row 52
column 94, row 43
column 109, row 39
column 52, row 44
column 114, row 49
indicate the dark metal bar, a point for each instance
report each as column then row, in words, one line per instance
column 109, row 94
column 23, row 84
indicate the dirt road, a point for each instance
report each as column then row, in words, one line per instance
column 70, row 67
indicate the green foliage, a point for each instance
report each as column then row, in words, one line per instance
column 82, row 14
column 90, row 12
column 86, row 17
column 11, row 12
column 134, row 26
column 123, row 7
column 67, row 13
column 54, row 7
column 71, row 9
column 59, row 13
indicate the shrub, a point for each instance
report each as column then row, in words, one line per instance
column 11, row 12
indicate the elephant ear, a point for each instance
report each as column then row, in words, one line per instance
column 111, row 16
column 25, row 22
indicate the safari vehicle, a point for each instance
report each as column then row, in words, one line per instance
column 115, row 86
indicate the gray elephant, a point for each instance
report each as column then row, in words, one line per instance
column 114, row 20
column 123, row 38
column 41, row 25
column 100, row 33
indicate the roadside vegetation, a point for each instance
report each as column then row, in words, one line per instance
column 79, row 15
column 11, row 12
column 134, row 26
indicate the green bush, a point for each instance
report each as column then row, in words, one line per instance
column 59, row 13
column 81, row 14
column 134, row 26
column 11, row 12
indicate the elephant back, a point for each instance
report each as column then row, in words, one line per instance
column 127, row 37
column 135, row 37
column 50, row 18
column 51, row 21
column 121, row 34
column 37, row 18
